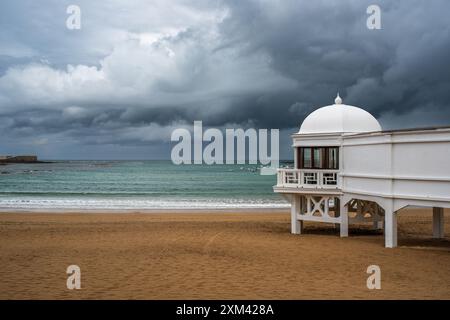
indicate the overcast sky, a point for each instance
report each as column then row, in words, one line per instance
column 136, row 70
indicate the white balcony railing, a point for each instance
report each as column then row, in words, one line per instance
column 303, row 178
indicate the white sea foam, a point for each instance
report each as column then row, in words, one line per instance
column 133, row 203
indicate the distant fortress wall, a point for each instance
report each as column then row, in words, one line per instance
column 18, row 159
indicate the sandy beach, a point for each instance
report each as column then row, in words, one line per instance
column 219, row 255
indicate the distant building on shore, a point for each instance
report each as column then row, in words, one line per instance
column 348, row 170
column 18, row 159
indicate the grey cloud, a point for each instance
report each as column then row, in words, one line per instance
column 248, row 63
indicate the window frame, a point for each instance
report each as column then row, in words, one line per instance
column 324, row 152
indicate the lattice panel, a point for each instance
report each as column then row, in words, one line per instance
column 365, row 211
column 329, row 178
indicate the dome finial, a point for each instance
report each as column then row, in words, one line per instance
column 338, row 99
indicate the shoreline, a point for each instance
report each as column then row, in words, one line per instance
column 166, row 210
column 145, row 211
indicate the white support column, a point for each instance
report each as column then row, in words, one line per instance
column 296, row 158
column 380, row 218
column 438, row 222
column 390, row 229
column 296, row 225
column 344, row 219
column 326, row 207
column 308, row 204
column 337, row 210
column 301, row 201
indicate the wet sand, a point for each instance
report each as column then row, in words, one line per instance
column 220, row 255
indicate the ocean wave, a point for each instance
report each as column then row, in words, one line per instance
column 125, row 204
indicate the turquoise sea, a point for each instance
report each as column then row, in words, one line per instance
column 134, row 185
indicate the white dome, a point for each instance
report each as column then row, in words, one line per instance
column 339, row 118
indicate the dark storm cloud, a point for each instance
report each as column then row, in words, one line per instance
column 327, row 48
column 137, row 74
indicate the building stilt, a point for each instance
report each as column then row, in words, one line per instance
column 390, row 229
column 296, row 224
column 438, row 222
column 344, row 219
